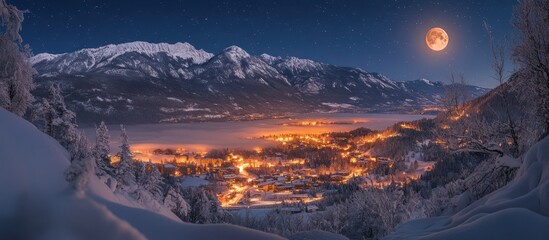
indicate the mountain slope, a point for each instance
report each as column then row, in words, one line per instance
column 37, row 203
column 147, row 82
column 520, row 210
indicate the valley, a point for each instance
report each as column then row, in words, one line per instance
column 201, row 137
column 284, row 164
column 297, row 120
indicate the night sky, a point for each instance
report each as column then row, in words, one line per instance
column 378, row 36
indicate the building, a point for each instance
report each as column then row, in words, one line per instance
column 168, row 169
column 311, row 208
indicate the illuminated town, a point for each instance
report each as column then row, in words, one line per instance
column 298, row 168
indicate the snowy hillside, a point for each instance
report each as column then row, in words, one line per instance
column 519, row 210
column 37, row 202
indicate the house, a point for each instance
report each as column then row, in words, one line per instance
column 231, row 170
column 311, row 208
column 343, row 172
column 289, row 210
column 277, row 157
column 241, row 178
column 283, row 187
column 302, row 196
column 336, row 178
column 384, row 160
column 168, row 169
column 266, row 186
column 281, row 196
column 229, row 177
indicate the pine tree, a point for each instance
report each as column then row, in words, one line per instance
column 11, row 18
column 59, row 121
column 204, row 207
column 149, row 179
column 174, row 201
column 125, row 172
column 141, row 174
column 101, row 149
column 154, row 182
column 81, row 163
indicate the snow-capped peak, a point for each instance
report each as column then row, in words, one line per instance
column 426, row 81
column 177, row 50
column 111, row 51
column 268, row 58
column 378, row 79
column 235, row 52
column 43, row 57
column 298, row 64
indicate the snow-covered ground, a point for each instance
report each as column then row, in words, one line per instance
column 422, row 166
column 520, row 210
column 191, row 181
column 316, row 235
column 37, row 203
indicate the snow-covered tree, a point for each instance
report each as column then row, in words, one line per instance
column 141, row 175
column 474, row 133
column 149, row 178
column 333, row 220
column 511, row 125
column 82, row 164
column 455, row 94
column 149, row 189
column 125, row 171
column 11, row 20
column 125, row 151
column 204, row 206
column 532, row 54
column 152, row 180
column 199, row 206
column 101, row 149
column 174, row 201
column 15, row 71
column 59, row 121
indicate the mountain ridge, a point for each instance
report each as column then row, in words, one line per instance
column 140, row 78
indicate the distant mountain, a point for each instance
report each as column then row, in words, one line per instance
column 142, row 82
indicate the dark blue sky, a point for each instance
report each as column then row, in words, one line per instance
column 385, row 36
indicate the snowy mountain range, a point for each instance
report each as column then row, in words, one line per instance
column 147, row 82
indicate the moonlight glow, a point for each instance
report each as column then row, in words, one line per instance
column 436, row 39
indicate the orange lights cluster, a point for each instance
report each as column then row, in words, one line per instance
column 380, row 136
column 409, row 126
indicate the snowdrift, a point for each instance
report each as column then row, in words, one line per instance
column 519, row 210
column 317, row 235
column 37, row 203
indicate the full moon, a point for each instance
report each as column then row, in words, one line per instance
column 436, row 39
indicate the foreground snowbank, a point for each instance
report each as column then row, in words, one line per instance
column 36, row 201
column 519, row 210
